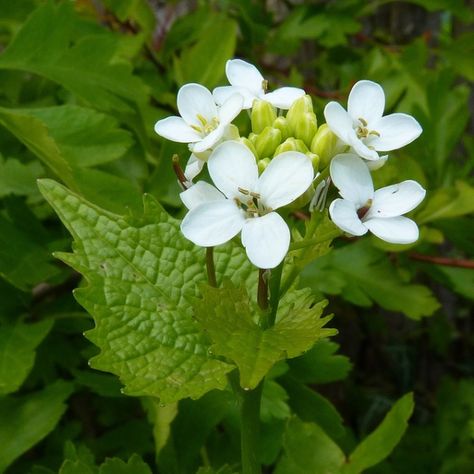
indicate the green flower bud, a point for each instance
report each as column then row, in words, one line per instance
column 306, row 127
column 282, row 124
column 267, row 141
column 314, row 160
column 326, row 145
column 263, row 115
column 248, row 144
column 253, row 137
column 291, row 144
column 262, row 164
column 231, row 132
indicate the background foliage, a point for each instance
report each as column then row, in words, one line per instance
column 81, row 85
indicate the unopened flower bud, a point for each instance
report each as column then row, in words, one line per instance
column 282, row 124
column 314, row 160
column 249, row 145
column 263, row 115
column 306, row 127
column 326, row 145
column 253, row 137
column 267, row 141
column 231, row 132
column 291, row 144
column 262, row 164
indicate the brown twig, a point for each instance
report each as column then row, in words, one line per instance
column 449, row 262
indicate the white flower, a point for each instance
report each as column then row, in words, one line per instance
column 202, row 123
column 244, row 202
column 246, row 79
column 362, row 125
column 361, row 209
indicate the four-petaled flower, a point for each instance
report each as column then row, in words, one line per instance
column 202, row 124
column 243, row 201
column 246, row 79
column 361, row 209
column 364, row 128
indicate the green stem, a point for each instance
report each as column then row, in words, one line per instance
column 275, row 281
column 250, row 429
column 211, row 269
column 262, row 292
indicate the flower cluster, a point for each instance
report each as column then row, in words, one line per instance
column 276, row 164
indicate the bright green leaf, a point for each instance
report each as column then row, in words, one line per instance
column 48, row 45
column 196, row 64
column 27, row 420
column 308, row 449
column 228, row 316
column 381, row 442
column 274, row 403
column 142, row 277
column 135, row 465
column 17, row 352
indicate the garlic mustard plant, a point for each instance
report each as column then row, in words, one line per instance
column 362, row 209
column 202, row 123
column 245, row 202
column 363, row 125
column 246, row 80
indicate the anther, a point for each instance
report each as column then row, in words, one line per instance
column 363, row 121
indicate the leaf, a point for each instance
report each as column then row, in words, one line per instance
column 83, row 136
column 27, row 420
column 23, row 262
column 34, row 134
column 447, row 203
column 274, row 404
column 196, row 64
column 18, row 178
column 381, row 442
column 142, row 276
column 307, row 448
column 228, row 316
column 320, row 364
column 362, row 275
column 48, row 44
column 17, row 352
column 135, row 465
column 310, row 406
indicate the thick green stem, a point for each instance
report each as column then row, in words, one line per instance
column 211, row 270
column 250, row 429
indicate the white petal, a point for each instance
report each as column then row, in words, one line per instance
column 266, row 240
column 176, row 130
column 193, row 167
column 213, row 223
column 200, row 193
column 376, row 164
column 361, row 149
column 352, row 177
column 230, row 109
column 339, row 121
column 243, row 74
column 396, row 130
column 366, row 101
column 344, row 214
column 221, row 94
column 284, row 97
column 209, row 140
column 396, row 230
column 194, row 100
column 396, row 199
column 287, row 177
column 231, row 166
